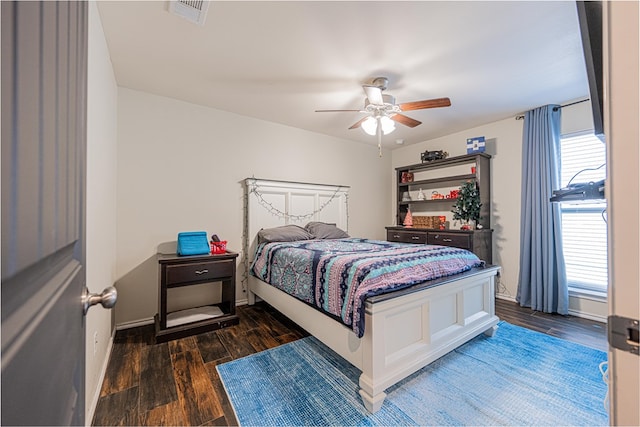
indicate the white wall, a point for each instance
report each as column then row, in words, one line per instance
column 181, row 166
column 576, row 118
column 101, row 202
column 504, row 144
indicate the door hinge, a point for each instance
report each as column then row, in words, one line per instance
column 623, row 333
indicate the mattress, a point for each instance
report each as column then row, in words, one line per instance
column 336, row 276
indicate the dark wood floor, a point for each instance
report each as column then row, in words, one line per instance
column 582, row 331
column 176, row 383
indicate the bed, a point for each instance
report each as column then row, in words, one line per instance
column 401, row 330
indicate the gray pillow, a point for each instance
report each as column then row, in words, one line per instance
column 322, row 230
column 284, row 233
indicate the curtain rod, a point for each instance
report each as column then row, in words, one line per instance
column 521, row 116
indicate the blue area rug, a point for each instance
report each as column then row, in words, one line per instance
column 517, row 377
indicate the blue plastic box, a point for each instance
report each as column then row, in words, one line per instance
column 193, row 243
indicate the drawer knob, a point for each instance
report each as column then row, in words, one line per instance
column 199, row 272
column 415, row 237
column 396, row 236
column 447, row 240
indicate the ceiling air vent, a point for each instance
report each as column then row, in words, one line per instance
column 191, row 10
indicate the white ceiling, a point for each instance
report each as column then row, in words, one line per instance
column 280, row 61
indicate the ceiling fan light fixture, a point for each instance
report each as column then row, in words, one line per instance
column 370, row 125
column 387, row 124
column 382, row 108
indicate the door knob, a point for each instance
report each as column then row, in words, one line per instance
column 107, row 298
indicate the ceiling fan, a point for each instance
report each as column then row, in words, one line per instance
column 382, row 110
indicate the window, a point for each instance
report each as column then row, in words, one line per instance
column 584, row 229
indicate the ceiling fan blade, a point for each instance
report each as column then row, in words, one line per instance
column 428, row 103
column 407, row 121
column 358, row 123
column 374, row 94
column 334, row 111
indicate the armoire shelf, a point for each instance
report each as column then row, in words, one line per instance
column 445, row 173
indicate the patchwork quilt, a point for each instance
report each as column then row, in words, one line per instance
column 336, row 276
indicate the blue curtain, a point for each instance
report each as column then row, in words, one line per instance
column 542, row 281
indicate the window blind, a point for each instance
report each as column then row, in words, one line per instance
column 584, row 229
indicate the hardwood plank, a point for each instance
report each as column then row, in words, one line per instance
column 580, row 338
column 195, row 391
column 287, row 338
column 157, row 386
column 123, row 369
column 246, row 320
column 222, row 421
column 182, row 345
column 118, row 409
column 146, row 335
column 261, row 340
column 235, row 343
column 210, row 346
column 275, row 324
column 254, row 312
column 262, row 314
column 221, row 394
column 166, row 415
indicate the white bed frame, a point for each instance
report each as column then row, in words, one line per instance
column 405, row 330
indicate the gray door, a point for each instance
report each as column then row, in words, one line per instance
column 44, row 91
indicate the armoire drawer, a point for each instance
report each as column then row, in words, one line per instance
column 450, row 239
column 406, row 236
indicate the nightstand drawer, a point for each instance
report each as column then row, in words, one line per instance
column 406, row 236
column 197, row 272
column 450, row 239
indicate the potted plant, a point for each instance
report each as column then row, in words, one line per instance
column 467, row 205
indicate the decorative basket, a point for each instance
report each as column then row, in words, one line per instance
column 219, row 247
column 426, row 222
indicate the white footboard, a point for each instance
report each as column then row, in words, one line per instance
column 404, row 331
column 407, row 332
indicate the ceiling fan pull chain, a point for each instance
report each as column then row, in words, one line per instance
column 379, row 132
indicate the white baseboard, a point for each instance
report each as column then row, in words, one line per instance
column 574, row 313
column 589, row 316
column 103, row 373
column 506, row 297
column 134, row 324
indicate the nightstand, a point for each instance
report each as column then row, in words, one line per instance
column 178, row 271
